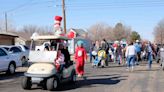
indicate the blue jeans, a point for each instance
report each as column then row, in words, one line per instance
column 130, row 60
column 90, row 56
column 119, row 58
column 150, row 59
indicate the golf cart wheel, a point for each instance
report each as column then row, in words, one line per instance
column 52, row 84
column 26, row 83
column 11, row 68
column 73, row 77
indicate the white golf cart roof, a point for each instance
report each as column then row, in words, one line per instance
column 45, row 56
column 49, row 37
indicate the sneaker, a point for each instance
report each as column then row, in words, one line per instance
column 79, row 75
column 132, row 68
column 127, row 69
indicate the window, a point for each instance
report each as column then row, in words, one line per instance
column 26, row 48
column 6, row 48
column 15, row 50
column 2, row 52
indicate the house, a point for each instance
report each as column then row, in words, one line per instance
column 82, row 35
column 80, row 32
column 20, row 41
column 7, row 38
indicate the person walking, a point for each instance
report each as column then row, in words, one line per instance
column 138, row 51
column 149, row 50
column 80, row 58
column 130, row 55
column 119, row 54
column 105, row 47
column 91, row 56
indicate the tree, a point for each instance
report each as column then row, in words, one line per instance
column 159, row 32
column 134, row 36
column 121, row 32
column 10, row 26
column 27, row 31
column 99, row 31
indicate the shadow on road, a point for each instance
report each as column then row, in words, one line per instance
column 144, row 70
column 107, row 75
column 87, row 83
column 4, row 76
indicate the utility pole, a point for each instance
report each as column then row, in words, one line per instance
column 64, row 15
column 6, row 21
column 161, row 38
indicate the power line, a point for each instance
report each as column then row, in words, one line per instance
column 104, row 6
column 96, row 5
column 20, row 6
column 29, row 3
column 116, row 2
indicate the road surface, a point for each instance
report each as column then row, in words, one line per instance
column 113, row 78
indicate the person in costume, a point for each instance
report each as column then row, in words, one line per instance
column 80, row 58
column 59, row 61
column 57, row 28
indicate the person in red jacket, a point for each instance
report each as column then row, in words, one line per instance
column 80, row 58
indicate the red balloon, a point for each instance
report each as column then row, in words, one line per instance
column 71, row 34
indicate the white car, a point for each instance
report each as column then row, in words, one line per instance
column 25, row 53
column 17, row 52
column 8, row 62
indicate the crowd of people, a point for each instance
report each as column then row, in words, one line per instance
column 129, row 54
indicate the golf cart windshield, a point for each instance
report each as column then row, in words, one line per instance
column 44, row 48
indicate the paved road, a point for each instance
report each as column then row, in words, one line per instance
column 111, row 79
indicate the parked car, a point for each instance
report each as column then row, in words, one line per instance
column 8, row 62
column 26, row 50
column 17, row 52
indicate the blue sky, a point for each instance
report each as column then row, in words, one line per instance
column 141, row 15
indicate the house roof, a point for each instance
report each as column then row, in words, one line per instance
column 8, row 34
column 79, row 31
column 49, row 37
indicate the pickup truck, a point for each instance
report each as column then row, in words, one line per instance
column 42, row 47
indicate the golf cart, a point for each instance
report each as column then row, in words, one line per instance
column 42, row 71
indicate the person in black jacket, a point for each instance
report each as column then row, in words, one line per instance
column 64, row 50
column 90, row 52
column 105, row 47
